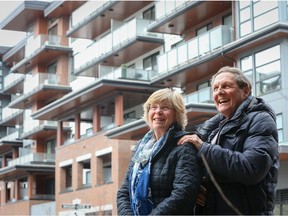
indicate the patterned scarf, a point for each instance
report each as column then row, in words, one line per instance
column 141, row 196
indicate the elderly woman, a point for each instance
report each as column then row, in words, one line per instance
column 240, row 145
column 163, row 178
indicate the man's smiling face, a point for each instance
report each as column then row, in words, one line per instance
column 227, row 95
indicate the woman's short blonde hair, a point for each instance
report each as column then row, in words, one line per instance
column 174, row 98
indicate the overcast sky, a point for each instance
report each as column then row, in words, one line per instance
column 9, row 38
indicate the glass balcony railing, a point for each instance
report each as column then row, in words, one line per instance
column 33, row 44
column 32, row 157
column 91, row 8
column 119, row 36
column 11, row 137
column 12, row 79
column 201, row 96
column 32, row 82
column 164, row 7
column 106, row 72
column 8, row 112
column 194, row 49
column 31, row 125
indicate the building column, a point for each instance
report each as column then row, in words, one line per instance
column 17, row 189
column 119, row 101
column 59, row 141
column 14, row 153
column 31, row 185
column 96, row 119
column 77, row 126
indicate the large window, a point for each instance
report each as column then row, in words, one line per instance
column 52, row 33
column 150, row 63
column 68, row 177
column 268, row 70
column 267, row 67
column 255, row 15
column 279, row 121
column 247, row 67
column 50, row 146
column 149, row 14
column 104, row 173
column 227, row 20
column 203, row 29
column 86, row 172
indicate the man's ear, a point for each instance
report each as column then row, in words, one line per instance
column 247, row 91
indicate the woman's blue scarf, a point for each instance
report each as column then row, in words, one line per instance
column 140, row 190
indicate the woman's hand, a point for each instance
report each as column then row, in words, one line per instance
column 193, row 139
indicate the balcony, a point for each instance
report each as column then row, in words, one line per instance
column 191, row 53
column 35, row 129
column 33, row 158
column 10, row 141
column 106, row 72
column 16, row 53
column 12, row 137
column 40, row 50
column 123, row 44
column 98, row 21
column 25, row 14
column 201, row 96
column 40, row 87
column 11, row 116
column 62, row 8
column 13, row 83
column 27, row 163
column 176, row 17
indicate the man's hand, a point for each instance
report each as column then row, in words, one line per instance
column 193, row 139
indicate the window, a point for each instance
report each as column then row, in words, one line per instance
column 23, row 188
column 264, row 70
column 51, row 71
column 105, row 169
column 86, row 172
column 203, row 29
column 130, row 115
column 150, row 63
column 68, row 176
column 279, row 121
column 149, row 14
column 52, row 68
column 52, row 33
column 10, row 192
column 255, row 15
column 50, row 146
column 247, row 67
column 203, row 85
column 268, row 70
column 227, row 20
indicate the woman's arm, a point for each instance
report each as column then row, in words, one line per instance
column 186, row 184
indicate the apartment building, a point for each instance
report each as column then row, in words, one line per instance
column 73, row 89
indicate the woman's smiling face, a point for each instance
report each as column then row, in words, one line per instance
column 161, row 116
column 227, row 95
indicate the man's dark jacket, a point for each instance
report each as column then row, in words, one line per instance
column 244, row 159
